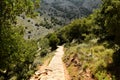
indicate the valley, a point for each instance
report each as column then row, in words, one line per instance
column 60, row 40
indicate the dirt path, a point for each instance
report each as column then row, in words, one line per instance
column 55, row 70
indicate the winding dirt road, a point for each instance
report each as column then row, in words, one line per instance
column 55, row 70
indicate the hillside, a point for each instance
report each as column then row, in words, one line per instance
column 32, row 29
column 90, row 40
column 54, row 14
column 60, row 12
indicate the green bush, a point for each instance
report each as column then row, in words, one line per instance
column 102, row 75
column 53, row 41
column 43, row 53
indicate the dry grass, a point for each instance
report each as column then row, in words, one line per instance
column 95, row 58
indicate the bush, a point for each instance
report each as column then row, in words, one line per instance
column 43, row 53
column 102, row 75
column 53, row 41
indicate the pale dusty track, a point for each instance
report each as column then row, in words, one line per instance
column 55, row 69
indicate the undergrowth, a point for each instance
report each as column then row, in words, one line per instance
column 88, row 59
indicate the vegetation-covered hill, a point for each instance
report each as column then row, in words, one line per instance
column 53, row 15
column 57, row 13
column 92, row 43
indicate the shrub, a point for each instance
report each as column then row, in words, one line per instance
column 102, row 75
column 53, row 41
column 43, row 53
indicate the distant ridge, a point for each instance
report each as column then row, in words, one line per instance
column 61, row 12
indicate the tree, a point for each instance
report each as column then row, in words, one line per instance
column 109, row 14
column 73, row 31
column 14, row 50
column 53, row 41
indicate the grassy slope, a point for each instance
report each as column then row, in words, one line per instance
column 88, row 61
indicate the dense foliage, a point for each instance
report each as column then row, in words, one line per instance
column 103, row 23
column 53, row 40
column 109, row 18
column 16, row 54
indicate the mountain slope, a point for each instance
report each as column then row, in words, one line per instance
column 54, row 14
column 61, row 12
